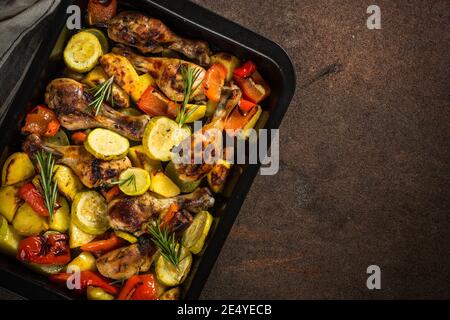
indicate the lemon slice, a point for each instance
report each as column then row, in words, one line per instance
column 134, row 181
column 82, row 52
column 170, row 275
column 195, row 235
column 101, row 38
column 161, row 135
column 106, row 144
column 89, row 212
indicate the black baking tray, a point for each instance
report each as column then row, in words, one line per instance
column 187, row 19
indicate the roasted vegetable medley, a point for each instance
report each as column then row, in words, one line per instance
column 94, row 190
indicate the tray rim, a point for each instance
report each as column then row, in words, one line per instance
column 222, row 27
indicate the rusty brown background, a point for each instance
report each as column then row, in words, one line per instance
column 364, row 175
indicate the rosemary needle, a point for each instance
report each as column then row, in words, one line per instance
column 102, row 92
column 190, row 77
column 46, row 163
column 128, row 181
column 169, row 248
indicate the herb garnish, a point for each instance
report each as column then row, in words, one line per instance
column 128, row 181
column 190, row 77
column 102, row 92
column 46, row 163
column 168, row 246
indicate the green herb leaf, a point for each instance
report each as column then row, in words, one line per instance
column 102, row 93
column 130, row 180
column 168, row 246
column 46, row 163
column 190, row 77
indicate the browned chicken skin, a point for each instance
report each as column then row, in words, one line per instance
column 125, row 262
column 130, row 213
column 150, row 35
column 70, row 100
column 165, row 71
column 91, row 171
column 191, row 171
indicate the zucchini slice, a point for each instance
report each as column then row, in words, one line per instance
column 101, row 38
column 89, row 212
column 161, row 135
column 195, row 235
column 170, row 275
column 106, row 144
column 134, row 181
column 82, row 52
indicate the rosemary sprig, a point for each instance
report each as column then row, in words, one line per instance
column 128, row 181
column 46, row 163
column 190, row 77
column 102, row 92
column 168, row 246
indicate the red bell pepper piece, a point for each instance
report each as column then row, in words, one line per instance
column 103, row 246
column 254, row 88
column 87, row 278
column 154, row 103
column 246, row 70
column 42, row 121
column 139, row 287
column 246, row 105
column 51, row 249
column 30, row 194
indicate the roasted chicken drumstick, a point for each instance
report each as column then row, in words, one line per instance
column 127, row 261
column 165, row 71
column 70, row 100
column 91, row 171
column 150, row 35
column 130, row 213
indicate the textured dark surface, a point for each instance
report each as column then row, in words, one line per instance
column 364, row 175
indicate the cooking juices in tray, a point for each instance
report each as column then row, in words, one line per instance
column 92, row 188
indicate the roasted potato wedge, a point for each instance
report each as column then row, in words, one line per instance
column 17, row 168
column 162, row 185
column 61, row 219
column 68, row 183
column 28, row 223
column 9, row 202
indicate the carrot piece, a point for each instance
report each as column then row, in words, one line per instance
column 79, row 137
column 111, row 193
column 214, row 81
column 104, row 245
